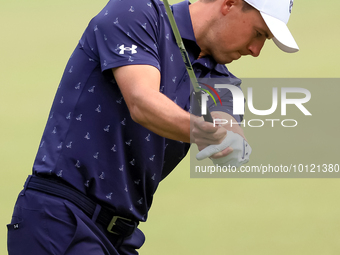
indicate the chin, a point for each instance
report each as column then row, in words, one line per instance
column 224, row 62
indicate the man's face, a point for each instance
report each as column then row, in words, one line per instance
column 238, row 33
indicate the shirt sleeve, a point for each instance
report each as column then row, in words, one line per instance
column 226, row 96
column 124, row 33
column 227, row 105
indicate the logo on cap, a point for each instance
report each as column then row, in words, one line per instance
column 291, row 6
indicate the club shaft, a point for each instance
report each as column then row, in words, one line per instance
column 186, row 59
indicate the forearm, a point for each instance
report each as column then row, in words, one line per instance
column 162, row 116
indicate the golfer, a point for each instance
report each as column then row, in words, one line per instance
column 120, row 120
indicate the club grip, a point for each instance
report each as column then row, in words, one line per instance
column 208, row 117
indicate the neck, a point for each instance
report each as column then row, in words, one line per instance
column 202, row 15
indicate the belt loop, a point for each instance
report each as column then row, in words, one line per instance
column 22, row 193
column 96, row 213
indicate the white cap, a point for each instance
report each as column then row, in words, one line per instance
column 276, row 14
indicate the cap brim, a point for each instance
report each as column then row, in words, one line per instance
column 282, row 36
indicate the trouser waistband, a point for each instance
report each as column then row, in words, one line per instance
column 114, row 223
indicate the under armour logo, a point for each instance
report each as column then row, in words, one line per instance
column 16, row 226
column 132, row 49
column 291, row 6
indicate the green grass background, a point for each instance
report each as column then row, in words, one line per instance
column 189, row 216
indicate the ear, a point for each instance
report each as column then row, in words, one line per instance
column 228, row 5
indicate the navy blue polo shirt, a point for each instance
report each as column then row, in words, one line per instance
column 90, row 140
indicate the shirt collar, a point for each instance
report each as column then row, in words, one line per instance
column 182, row 17
column 183, row 20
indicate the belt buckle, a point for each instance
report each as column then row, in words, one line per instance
column 113, row 223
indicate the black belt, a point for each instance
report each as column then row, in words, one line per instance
column 107, row 217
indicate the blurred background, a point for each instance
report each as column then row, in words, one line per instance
column 188, row 216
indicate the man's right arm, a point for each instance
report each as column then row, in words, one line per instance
column 139, row 85
column 148, row 107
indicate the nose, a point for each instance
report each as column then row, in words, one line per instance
column 255, row 47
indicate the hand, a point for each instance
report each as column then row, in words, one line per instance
column 239, row 156
column 205, row 134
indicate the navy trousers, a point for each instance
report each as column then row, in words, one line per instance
column 44, row 224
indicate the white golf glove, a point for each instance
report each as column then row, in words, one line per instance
column 239, row 156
